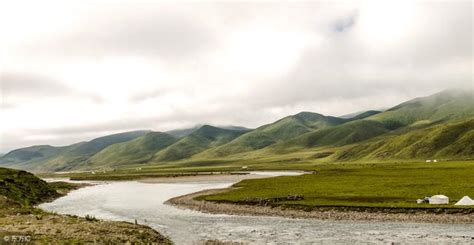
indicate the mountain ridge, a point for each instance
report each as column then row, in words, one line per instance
column 301, row 132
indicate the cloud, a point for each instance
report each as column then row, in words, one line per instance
column 168, row 31
column 19, row 88
column 78, row 70
column 29, row 84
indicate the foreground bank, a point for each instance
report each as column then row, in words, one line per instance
column 20, row 221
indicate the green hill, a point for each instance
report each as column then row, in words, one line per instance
column 412, row 115
column 348, row 133
column 139, row 150
column 363, row 115
column 47, row 158
column 445, row 141
column 438, row 126
column 440, row 107
column 281, row 130
column 200, row 140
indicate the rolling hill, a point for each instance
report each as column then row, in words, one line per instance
column 47, row 158
column 281, row 130
column 198, row 141
column 453, row 140
column 139, row 150
column 437, row 126
column 440, row 107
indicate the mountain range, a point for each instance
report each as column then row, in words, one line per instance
column 437, row 126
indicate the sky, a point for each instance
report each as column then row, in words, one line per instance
column 74, row 70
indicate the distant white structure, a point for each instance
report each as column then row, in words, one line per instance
column 439, row 199
column 465, row 201
column 428, row 160
column 435, row 160
column 244, row 167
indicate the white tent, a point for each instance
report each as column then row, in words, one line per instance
column 465, row 201
column 439, row 199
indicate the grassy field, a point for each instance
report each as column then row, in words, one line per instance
column 361, row 185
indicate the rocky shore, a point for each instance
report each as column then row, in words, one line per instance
column 189, row 201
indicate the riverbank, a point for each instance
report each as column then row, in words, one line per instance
column 369, row 214
column 233, row 177
column 21, row 222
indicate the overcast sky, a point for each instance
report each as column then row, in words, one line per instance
column 74, row 70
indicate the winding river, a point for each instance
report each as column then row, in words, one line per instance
column 144, row 202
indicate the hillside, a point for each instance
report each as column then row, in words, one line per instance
column 438, row 125
column 443, row 107
column 139, row 150
column 45, row 158
column 446, row 141
column 24, row 188
column 198, row 141
column 281, row 130
column 348, row 133
column 440, row 107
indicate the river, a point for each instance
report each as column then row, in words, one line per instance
column 144, row 202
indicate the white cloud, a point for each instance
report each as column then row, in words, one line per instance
column 80, row 69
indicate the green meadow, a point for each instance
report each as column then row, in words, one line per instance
column 361, row 185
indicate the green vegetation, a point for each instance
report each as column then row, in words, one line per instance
column 51, row 158
column 439, row 126
column 281, row 130
column 361, row 185
column 200, row 140
column 443, row 106
column 24, row 188
column 139, row 150
column 445, row 141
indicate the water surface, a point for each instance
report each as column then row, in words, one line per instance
column 144, row 202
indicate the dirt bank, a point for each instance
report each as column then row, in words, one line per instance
column 23, row 224
column 189, row 201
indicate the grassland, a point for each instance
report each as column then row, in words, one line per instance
column 389, row 185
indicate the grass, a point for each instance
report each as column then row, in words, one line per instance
column 394, row 185
column 24, row 188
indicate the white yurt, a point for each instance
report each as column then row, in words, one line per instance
column 439, row 199
column 465, row 201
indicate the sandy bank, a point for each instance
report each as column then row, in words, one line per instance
column 188, row 201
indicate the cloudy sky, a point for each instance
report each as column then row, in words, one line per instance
column 75, row 70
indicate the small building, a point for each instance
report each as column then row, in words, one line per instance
column 439, row 199
column 244, row 167
column 428, row 160
column 435, row 160
column 465, row 201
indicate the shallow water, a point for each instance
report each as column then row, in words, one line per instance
column 144, row 202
